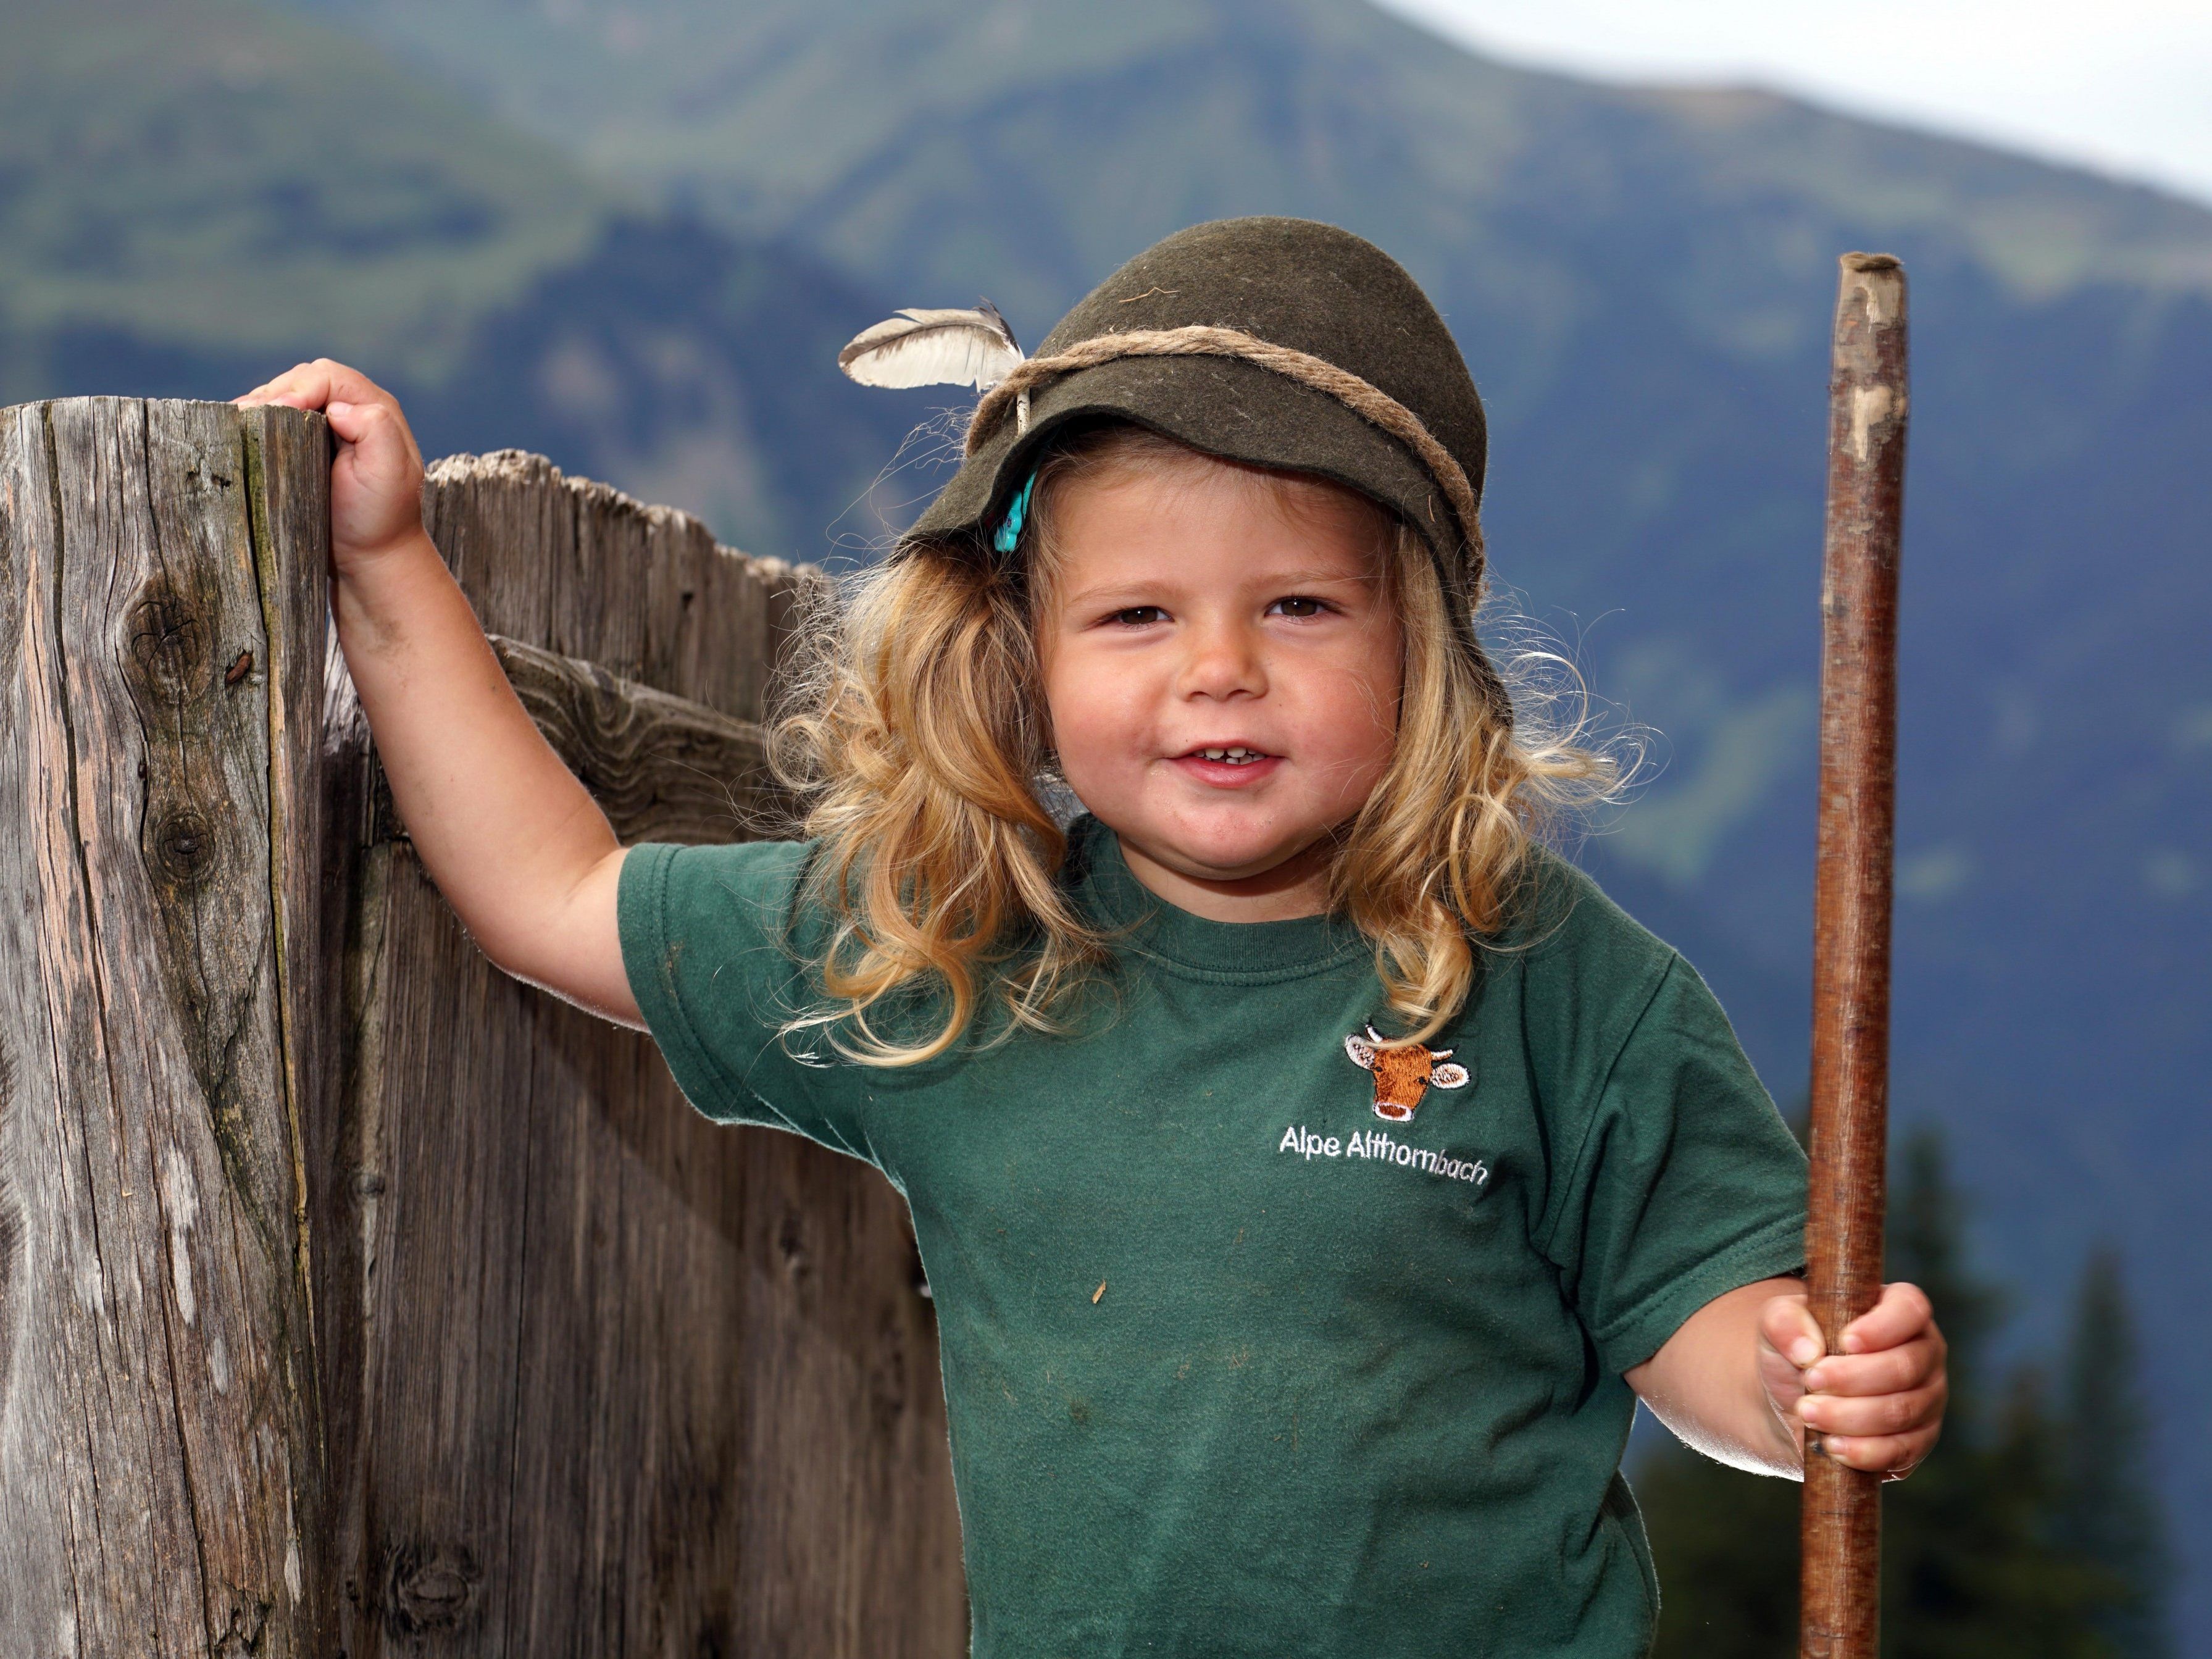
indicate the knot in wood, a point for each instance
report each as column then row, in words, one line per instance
column 167, row 642
column 791, row 1245
column 184, row 844
column 429, row 1587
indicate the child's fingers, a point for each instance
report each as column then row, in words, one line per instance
column 1884, row 1371
column 376, row 483
column 1853, row 1415
column 1902, row 1313
column 1893, row 1455
column 353, row 421
column 1789, row 1327
column 304, row 385
column 380, row 429
column 316, row 385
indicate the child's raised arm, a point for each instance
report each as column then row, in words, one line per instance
column 517, row 846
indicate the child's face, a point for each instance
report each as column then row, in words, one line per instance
column 1211, row 606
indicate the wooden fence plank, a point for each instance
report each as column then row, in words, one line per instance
column 161, row 1370
column 685, row 1396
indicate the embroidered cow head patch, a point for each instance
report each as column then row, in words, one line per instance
column 1403, row 1076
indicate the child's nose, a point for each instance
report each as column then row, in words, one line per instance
column 1223, row 660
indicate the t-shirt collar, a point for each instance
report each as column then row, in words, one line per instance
column 1109, row 891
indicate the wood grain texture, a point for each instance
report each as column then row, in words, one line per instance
column 1868, row 411
column 160, row 1486
column 603, row 1377
column 662, row 768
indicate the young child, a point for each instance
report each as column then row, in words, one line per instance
column 1311, row 1170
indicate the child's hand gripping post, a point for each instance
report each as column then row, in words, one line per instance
column 515, row 843
column 1876, row 1403
column 1750, row 1380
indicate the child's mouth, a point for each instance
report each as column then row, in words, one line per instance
column 1228, row 764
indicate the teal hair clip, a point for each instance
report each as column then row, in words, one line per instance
column 1009, row 534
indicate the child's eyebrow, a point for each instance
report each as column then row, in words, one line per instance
column 1275, row 580
column 1088, row 596
column 1316, row 578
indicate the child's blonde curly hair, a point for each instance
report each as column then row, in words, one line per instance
column 915, row 730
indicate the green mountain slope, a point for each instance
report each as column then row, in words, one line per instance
column 850, row 122
column 194, row 194
column 217, row 175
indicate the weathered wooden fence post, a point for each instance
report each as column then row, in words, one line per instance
column 161, row 1487
column 353, row 1298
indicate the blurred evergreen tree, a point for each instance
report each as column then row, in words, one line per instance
column 1979, row 1559
column 2109, row 1514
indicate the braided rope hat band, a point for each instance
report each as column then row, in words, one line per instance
column 1199, row 341
column 1279, row 342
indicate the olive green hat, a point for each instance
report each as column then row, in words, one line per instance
column 1282, row 342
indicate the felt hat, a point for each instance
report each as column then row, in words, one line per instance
column 1283, row 342
column 1273, row 341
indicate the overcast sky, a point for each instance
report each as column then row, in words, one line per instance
column 2124, row 86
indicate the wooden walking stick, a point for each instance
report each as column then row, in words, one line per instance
column 1842, row 1518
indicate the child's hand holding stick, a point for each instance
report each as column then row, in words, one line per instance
column 1873, row 1403
column 515, row 843
column 1876, row 1403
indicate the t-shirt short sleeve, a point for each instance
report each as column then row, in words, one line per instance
column 1686, row 1183
column 717, row 962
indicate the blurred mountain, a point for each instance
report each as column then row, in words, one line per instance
column 1642, row 281
column 696, row 370
column 206, row 175
column 925, row 136
column 195, row 194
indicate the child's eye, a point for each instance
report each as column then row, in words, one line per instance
column 1136, row 615
column 1299, row 604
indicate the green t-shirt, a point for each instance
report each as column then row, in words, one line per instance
column 1353, row 1384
